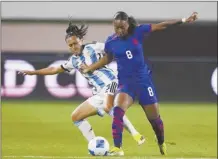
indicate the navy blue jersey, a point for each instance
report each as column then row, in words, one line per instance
column 129, row 54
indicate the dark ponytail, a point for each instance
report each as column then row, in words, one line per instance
column 132, row 24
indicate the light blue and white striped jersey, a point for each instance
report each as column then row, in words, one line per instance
column 91, row 53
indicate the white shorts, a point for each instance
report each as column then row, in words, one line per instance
column 98, row 101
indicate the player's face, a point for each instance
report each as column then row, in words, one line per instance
column 121, row 27
column 74, row 43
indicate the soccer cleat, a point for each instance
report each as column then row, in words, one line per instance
column 163, row 149
column 115, row 151
column 139, row 138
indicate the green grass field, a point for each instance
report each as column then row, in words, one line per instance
column 44, row 130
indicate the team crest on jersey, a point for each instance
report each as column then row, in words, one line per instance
column 135, row 41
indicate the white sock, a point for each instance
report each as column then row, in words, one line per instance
column 86, row 129
column 127, row 124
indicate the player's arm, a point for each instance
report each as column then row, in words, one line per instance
column 102, row 62
column 44, row 71
column 166, row 24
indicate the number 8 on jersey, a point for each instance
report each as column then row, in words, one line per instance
column 129, row 54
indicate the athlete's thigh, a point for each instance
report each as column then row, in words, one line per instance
column 125, row 96
column 123, row 100
column 148, row 99
column 97, row 101
column 147, row 93
column 83, row 111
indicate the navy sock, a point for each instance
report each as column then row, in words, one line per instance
column 117, row 126
column 158, row 127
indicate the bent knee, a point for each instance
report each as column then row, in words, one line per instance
column 123, row 100
column 74, row 116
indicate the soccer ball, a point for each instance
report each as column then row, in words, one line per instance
column 98, row 146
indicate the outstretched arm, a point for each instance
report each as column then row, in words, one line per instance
column 102, row 62
column 44, row 71
column 164, row 25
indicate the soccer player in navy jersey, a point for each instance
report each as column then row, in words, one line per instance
column 125, row 46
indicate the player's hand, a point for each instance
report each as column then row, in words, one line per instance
column 192, row 18
column 84, row 68
column 25, row 72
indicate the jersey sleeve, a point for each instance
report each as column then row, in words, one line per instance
column 67, row 66
column 100, row 47
column 145, row 28
column 142, row 31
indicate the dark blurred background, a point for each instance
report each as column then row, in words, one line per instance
column 182, row 58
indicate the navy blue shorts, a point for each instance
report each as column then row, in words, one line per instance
column 145, row 91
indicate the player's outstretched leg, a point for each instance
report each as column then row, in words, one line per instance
column 86, row 129
column 83, row 111
column 140, row 139
column 156, row 122
column 122, row 102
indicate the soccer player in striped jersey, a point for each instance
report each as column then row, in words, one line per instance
column 103, row 80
